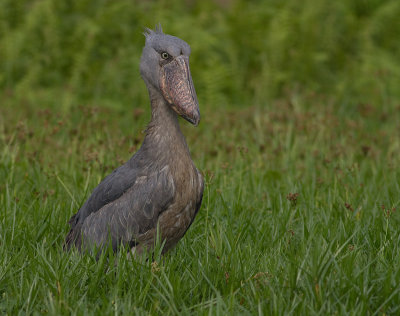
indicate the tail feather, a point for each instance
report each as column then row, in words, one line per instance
column 73, row 238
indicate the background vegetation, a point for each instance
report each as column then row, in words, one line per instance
column 299, row 143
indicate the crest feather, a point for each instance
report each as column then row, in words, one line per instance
column 149, row 32
column 159, row 28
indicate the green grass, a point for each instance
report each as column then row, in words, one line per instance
column 299, row 145
column 253, row 247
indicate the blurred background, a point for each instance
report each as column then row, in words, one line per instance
column 56, row 54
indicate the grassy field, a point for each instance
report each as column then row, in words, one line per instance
column 299, row 144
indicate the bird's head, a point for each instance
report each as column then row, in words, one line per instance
column 165, row 65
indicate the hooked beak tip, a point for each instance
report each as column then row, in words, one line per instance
column 194, row 119
column 196, row 123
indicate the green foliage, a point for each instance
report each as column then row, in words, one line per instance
column 298, row 144
column 300, row 213
column 243, row 51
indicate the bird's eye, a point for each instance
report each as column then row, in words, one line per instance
column 164, row 55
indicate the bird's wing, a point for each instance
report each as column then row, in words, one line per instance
column 132, row 214
column 111, row 188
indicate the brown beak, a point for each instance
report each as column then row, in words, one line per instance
column 177, row 88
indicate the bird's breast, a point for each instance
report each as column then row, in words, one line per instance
column 175, row 221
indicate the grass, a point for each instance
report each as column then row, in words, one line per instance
column 300, row 213
column 299, row 145
column 87, row 51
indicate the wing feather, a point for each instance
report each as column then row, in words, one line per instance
column 110, row 189
column 131, row 214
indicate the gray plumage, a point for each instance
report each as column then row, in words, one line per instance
column 159, row 186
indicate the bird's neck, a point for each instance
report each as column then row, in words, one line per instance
column 163, row 132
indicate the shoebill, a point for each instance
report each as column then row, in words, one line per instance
column 158, row 190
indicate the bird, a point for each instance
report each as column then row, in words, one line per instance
column 158, row 191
